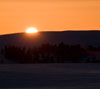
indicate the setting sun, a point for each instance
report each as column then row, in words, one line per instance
column 31, row 30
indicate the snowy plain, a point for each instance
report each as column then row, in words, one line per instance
column 50, row 76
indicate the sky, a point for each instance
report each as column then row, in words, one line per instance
column 49, row 15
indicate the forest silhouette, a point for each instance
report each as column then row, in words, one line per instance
column 47, row 53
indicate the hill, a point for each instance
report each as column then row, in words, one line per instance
column 84, row 38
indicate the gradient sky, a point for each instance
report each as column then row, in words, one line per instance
column 49, row 15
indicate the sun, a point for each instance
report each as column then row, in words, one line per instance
column 31, row 30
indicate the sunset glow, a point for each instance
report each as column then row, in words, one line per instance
column 49, row 15
column 31, row 30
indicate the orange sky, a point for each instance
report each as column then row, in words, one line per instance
column 17, row 15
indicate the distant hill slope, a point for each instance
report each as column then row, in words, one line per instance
column 69, row 37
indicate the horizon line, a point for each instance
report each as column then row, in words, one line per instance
column 54, row 31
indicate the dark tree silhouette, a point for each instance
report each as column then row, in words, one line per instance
column 46, row 53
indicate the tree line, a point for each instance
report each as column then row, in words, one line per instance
column 46, row 53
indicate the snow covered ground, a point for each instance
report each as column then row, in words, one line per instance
column 50, row 76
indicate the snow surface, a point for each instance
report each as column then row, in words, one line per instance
column 50, row 76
